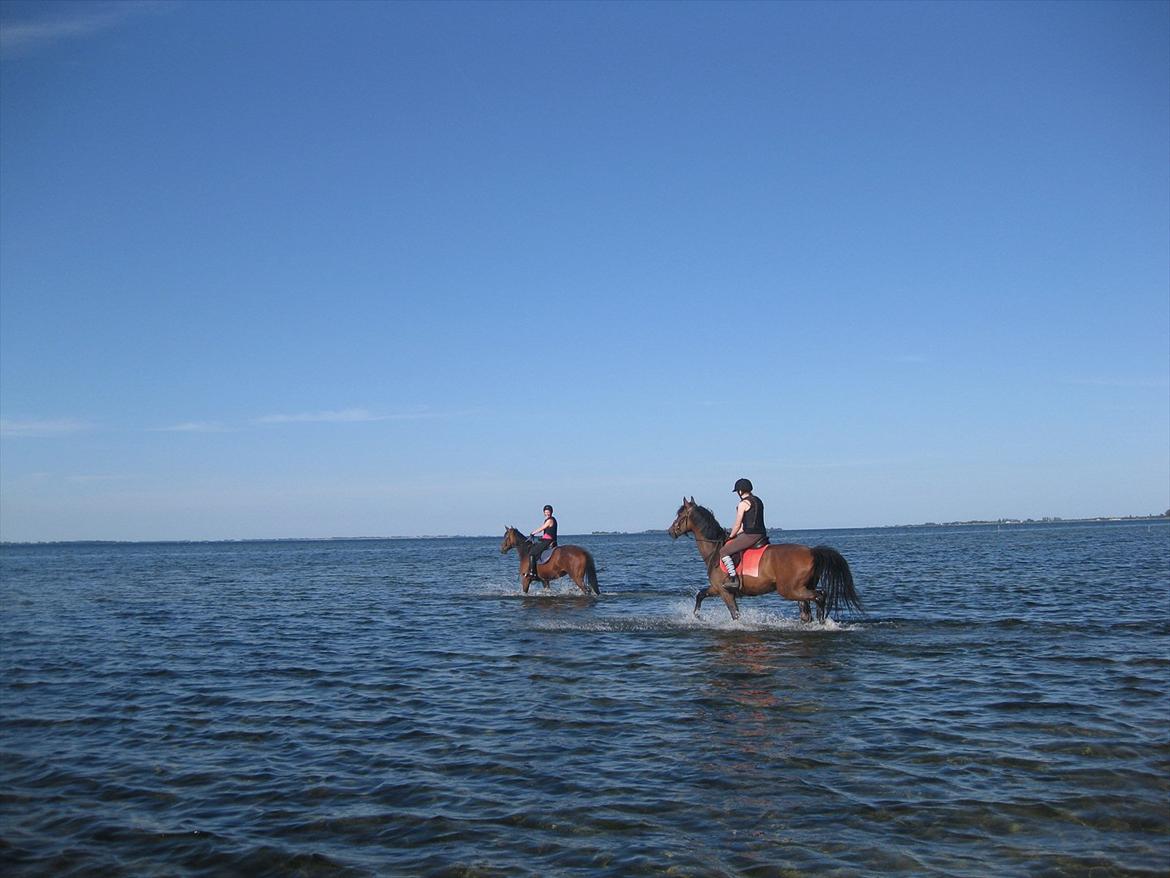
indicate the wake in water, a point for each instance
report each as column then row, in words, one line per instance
column 676, row 613
column 678, row 617
column 509, row 590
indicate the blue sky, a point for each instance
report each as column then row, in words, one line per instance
column 345, row 269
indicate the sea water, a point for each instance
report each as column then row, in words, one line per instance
column 398, row 707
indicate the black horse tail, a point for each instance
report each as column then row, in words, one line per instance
column 832, row 577
column 591, row 574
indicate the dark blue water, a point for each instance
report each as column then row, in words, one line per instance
column 398, row 708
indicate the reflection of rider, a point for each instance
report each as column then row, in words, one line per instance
column 546, row 540
column 748, row 529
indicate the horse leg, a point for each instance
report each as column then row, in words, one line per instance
column 525, row 577
column 699, row 595
column 578, row 577
column 729, row 599
column 805, row 596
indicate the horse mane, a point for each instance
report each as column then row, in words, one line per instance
column 520, row 533
column 711, row 529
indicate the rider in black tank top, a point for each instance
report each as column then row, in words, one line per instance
column 748, row 529
column 753, row 519
column 545, row 539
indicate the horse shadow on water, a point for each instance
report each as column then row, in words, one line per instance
column 807, row 575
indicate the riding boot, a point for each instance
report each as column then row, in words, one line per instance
column 732, row 579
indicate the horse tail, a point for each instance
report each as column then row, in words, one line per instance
column 591, row 573
column 831, row 572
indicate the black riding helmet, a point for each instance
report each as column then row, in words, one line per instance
column 742, row 485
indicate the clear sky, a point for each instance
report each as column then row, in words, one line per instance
column 366, row 269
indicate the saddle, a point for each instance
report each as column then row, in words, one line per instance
column 546, row 554
column 748, row 562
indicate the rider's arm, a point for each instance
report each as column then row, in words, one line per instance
column 743, row 507
column 547, row 524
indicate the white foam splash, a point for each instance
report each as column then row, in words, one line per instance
column 510, row 589
column 717, row 617
column 676, row 614
column 678, row 617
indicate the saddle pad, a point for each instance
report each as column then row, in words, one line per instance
column 749, row 565
column 545, row 555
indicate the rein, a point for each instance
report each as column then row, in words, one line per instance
column 523, row 543
column 708, row 547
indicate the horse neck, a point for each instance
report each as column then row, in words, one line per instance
column 708, row 549
column 523, row 544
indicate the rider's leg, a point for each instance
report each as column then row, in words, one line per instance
column 730, row 548
column 538, row 548
column 729, row 566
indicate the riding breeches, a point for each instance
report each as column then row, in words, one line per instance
column 739, row 543
column 538, row 549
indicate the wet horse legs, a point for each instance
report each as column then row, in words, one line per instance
column 728, row 598
column 806, row 609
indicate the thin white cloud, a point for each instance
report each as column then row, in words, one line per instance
column 335, row 416
column 39, row 429
column 194, row 427
column 351, row 416
column 343, row 416
column 63, row 22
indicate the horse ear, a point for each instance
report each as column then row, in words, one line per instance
column 692, row 501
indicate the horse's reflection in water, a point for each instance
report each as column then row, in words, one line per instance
column 557, row 603
column 767, row 694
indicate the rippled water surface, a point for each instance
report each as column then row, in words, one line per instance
column 399, row 708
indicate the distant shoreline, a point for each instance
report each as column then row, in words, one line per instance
column 1046, row 520
column 1102, row 519
column 970, row 523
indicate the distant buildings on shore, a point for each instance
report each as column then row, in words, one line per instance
column 1048, row 519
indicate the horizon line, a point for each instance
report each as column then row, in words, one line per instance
column 608, row 533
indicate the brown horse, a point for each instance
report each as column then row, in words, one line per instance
column 797, row 573
column 571, row 560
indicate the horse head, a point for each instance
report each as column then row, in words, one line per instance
column 511, row 539
column 682, row 520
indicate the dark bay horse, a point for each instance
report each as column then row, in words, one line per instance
column 795, row 572
column 565, row 560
